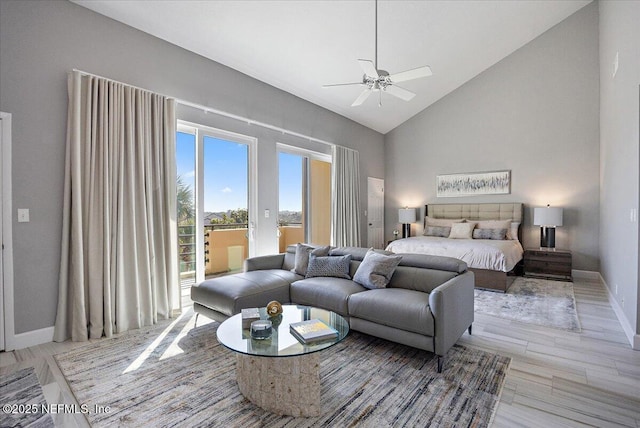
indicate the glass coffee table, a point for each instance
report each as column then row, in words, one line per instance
column 280, row 374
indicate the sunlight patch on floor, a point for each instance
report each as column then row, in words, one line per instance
column 174, row 349
column 145, row 354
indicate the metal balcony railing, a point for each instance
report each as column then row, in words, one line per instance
column 234, row 235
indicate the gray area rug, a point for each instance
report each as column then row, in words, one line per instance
column 22, row 400
column 366, row 382
column 533, row 301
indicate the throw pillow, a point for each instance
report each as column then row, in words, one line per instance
column 512, row 233
column 334, row 266
column 376, row 270
column 302, row 257
column 462, row 230
column 498, row 234
column 440, row 231
column 496, row 224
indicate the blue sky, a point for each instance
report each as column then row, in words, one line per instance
column 225, row 169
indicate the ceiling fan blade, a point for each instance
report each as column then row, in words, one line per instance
column 363, row 96
column 400, row 92
column 416, row 73
column 342, row 84
column 368, row 68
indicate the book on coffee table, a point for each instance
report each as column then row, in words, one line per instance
column 312, row 331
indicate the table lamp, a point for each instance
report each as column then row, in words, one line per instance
column 406, row 216
column 548, row 218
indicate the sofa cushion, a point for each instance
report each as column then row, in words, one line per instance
column 302, row 257
column 332, row 266
column 232, row 293
column 419, row 279
column 324, row 292
column 397, row 308
column 376, row 269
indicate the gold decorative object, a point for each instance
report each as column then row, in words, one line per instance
column 274, row 308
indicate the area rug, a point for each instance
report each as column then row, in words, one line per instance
column 533, row 301
column 22, row 400
column 366, row 382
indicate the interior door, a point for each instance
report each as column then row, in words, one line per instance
column 375, row 212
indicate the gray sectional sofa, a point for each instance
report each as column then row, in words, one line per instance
column 427, row 304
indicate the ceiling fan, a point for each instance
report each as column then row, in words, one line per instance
column 376, row 80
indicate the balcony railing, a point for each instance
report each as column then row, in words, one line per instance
column 226, row 246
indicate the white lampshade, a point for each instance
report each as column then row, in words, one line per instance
column 547, row 216
column 406, row 215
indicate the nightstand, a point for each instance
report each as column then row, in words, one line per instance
column 549, row 264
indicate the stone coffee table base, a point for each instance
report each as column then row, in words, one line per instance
column 281, row 385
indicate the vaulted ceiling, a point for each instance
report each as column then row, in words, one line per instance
column 300, row 45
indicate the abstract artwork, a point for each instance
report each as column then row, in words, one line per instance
column 472, row 184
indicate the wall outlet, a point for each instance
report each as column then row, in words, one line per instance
column 23, row 215
column 267, row 213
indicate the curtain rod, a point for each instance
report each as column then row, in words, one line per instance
column 218, row 112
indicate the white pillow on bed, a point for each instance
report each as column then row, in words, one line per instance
column 512, row 232
column 462, row 230
column 494, row 224
column 442, row 222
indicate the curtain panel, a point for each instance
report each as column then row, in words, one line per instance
column 345, row 206
column 118, row 267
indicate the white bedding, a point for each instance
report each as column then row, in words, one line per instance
column 477, row 253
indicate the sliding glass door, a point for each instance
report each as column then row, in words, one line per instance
column 216, row 201
column 304, row 197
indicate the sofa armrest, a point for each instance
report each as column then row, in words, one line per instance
column 274, row 261
column 452, row 307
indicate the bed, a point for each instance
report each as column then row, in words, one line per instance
column 493, row 261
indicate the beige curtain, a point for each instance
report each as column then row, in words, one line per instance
column 118, row 269
column 345, row 206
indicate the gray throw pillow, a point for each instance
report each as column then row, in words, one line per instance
column 497, row 234
column 376, row 270
column 333, row 266
column 302, row 257
column 441, row 231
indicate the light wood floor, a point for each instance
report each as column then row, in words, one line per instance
column 557, row 378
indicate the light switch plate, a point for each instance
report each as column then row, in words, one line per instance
column 23, row 215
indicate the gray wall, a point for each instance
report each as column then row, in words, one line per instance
column 619, row 155
column 40, row 41
column 534, row 113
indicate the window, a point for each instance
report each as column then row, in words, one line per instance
column 216, row 201
column 304, row 197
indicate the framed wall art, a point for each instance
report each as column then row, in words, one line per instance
column 473, row 184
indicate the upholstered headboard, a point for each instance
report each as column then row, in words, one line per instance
column 505, row 211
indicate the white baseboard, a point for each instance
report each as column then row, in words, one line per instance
column 587, row 275
column 32, row 338
column 634, row 339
